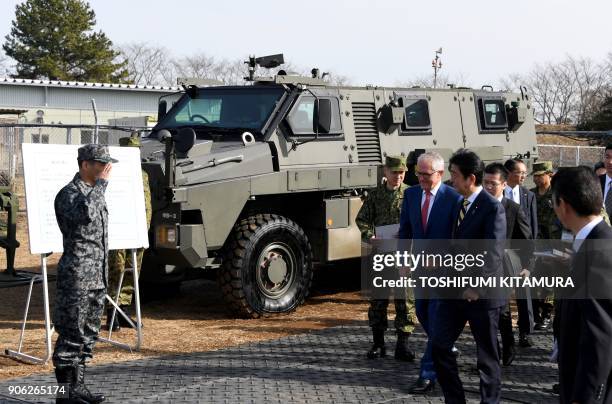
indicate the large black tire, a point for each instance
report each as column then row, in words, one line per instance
column 267, row 266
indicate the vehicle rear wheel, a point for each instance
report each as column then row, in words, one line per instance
column 267, row 266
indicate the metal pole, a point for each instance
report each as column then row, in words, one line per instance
column 95, row 111
column 577, row 155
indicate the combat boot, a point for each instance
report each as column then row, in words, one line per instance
column 67, row 376
column 122, row 321
column 82, row 388
column 402, row 348
column 378, row 349
column 109, row 315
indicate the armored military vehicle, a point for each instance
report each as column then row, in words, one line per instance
column 264, row 180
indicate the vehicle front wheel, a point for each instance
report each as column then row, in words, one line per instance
column 267, row 266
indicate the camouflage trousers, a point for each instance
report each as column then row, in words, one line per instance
column 76, row 318
column 118, row 260
column 405, row 315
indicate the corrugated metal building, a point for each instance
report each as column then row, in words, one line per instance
column 70, row 102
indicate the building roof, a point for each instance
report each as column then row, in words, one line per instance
column 86, row 85
column 12, row 111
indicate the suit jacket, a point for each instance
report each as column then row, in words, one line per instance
column 529, row 206
column 485, row 220
column 517, row 228
column 441, row 218
column 602, row 182
column 585, row 326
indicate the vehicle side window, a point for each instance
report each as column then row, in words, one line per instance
column 416, row 116
column 302, row 116
column 492, row 114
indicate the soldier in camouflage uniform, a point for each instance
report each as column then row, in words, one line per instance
column 118, row 260
column 548, row 229
column 80, row 209
column 382, row 207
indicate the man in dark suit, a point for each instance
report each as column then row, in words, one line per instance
column 585, row 311
column 428, row 212
column 481, row 217
column 515, row 191
column 605, row 181
column 517, row 228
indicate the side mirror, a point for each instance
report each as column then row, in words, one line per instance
column 322, row 115
column 162, row 108
column 183, row 141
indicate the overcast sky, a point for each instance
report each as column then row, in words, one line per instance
column 373, row 42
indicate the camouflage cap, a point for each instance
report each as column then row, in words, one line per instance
column 542, row 167
column 396, row 163
column 95, row 152
column 129, row 141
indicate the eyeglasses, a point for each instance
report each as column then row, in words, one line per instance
column 491, row 184
column 520, row 173
column 425, row 175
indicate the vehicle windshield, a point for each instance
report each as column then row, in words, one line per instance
column 247, row 107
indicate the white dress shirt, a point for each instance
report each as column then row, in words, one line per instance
column 515, row 193
column 472, row 198
column 584, row 232
column 433, row 192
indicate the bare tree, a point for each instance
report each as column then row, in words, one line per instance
column 337, row 79
column 591, row 84
column 147, row 64
column 426, row 81
column 568, row 91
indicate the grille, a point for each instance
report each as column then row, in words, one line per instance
column 366, row 132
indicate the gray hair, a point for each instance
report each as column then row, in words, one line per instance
column 437, row 161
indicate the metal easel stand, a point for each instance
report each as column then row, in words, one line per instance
column 116, row 308
column 19, row 354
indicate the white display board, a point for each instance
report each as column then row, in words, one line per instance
column 48, row 168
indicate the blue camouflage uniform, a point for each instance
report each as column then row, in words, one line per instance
column 82, row 272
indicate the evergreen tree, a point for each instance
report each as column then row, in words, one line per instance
column 55, row 39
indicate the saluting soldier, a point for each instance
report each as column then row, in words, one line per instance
column 118, row 260
column 82, row 272
column 382, row 207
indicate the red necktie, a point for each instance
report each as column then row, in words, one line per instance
column 425, row 209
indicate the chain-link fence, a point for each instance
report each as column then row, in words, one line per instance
column 563, row 156
column 13, row 135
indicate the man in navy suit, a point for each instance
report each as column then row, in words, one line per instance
column 605, row 181
column 584, row 311
column 515, row 191
column 517, row 228
column 480, row 217
column 428, row 212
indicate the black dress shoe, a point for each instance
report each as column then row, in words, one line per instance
column 422, row 386
column 377, row 351
column 555, row 388
column 508, row 355
column 525, row 341
column 402, row 348
column 543, row 325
